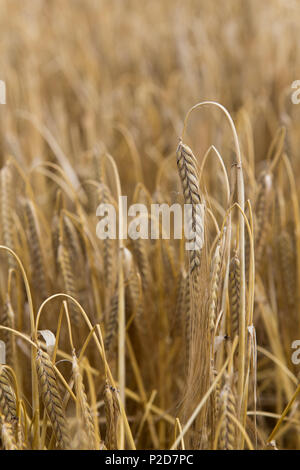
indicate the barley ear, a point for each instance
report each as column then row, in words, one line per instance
column 51, row 398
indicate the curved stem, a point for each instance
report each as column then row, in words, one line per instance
column 241, row 202
column 212, row 147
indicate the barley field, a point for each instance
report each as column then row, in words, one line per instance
column 139, row 343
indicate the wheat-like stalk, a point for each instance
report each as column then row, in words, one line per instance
column 287, row 256
column 68, row 277
column 105, row 197
column 262, row 207
column 227, row 439
column 37, row 263
column 7, row 434
column 8, row 320
column 234, row 293
column 215, row 395
column 187, row 168
column 135, row 300
column 85, row 414
column 215, row 288
column 112, row 322
column 73, row 242
column 142, row 260
column 20, row 437
column 8, row 407
column 7, row 209
column 112, row 412
column 52, row 399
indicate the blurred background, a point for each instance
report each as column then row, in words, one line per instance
column 142, row 65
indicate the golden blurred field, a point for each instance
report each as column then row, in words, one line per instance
column 151, row 346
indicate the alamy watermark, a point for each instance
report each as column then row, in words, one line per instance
column 152, row 224
column 295, row 97
column 2, row 92
column 296, row 354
